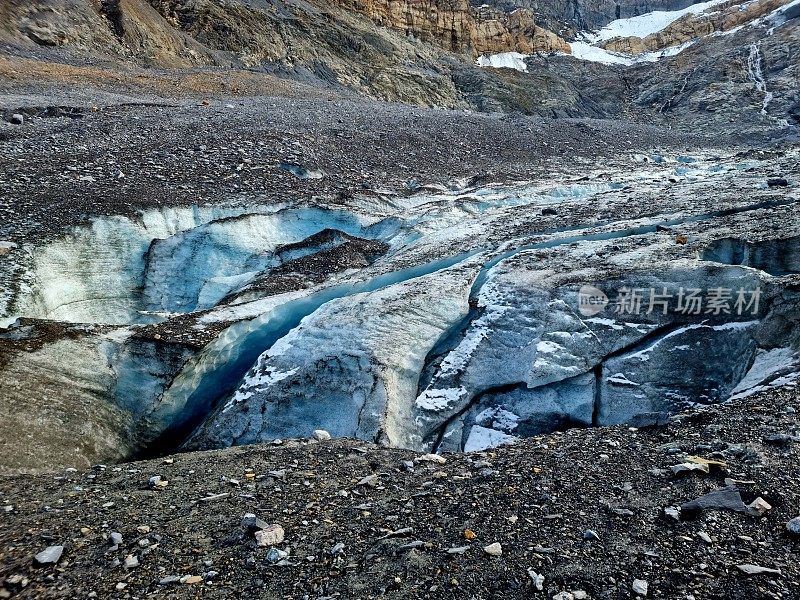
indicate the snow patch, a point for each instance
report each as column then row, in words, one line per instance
column 504, row 60
column 482, row 438
column 621, row 379
column 436, row 400
column 643, row 25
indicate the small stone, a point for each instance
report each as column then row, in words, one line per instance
column 759, row 506
column 321, row 435
column 434, row 458
column 793, row 526
column 673, row 512
column 49, row 556
column 252, row 523
column 115, row 537
column 120, row 586
column 579, row 594
column 705, row 537
column 337, row 549
column 538, row 580
column 157, row 482
column 193, row 579
column 170, row 580
column 368, row 480
column 591, row 535
column 689, row 467
column 458, row 549
column 17, row 119
column 143, row 529
column 469, row 534
column 494, row 549
column 275, row 555
column 639, row 587
column 144, row 542
column 210, row 576
column 757, row 570
column 270, row 535
column 727, row 498
column 131, row 562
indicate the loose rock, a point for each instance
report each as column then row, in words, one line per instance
column 270, row 535
column 49, row 556
column 494, row 549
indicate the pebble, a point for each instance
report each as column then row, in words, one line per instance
column 337, row 549
column 689, row 467
column 115, row 537
column 759, row 506
column 639, row 587
column 793, row 526
column 538, row 580
column 494, row 549
column 321, row 435
column 192, row 579
column 457, row 550
column 434, row 458
column 50, row 555
column 275, row 555
column 131, row 562
column 591, row 535
column 169, row 580
column 17, row 119
column 270, row 535
column 253, row 523
column 157, row 482
column 757, row 570
column 368, row 480
column 705, row 537
column 573, row 595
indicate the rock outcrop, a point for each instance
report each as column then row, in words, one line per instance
column 718, row 19
column 458, row 27
column 587, row 15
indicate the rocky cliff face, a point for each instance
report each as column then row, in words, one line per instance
column 576, row 15
column 457, row 26
column 718, row 19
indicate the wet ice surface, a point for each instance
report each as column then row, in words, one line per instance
column 461, row 332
